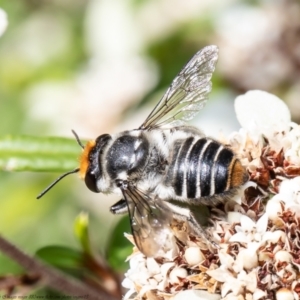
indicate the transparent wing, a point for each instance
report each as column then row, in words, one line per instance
column 188, row 92
column 149, row 222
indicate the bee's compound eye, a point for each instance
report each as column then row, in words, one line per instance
column 91, row 182
column 94, row 171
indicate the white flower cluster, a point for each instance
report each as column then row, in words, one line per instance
column 258, row 237
column 148, row 274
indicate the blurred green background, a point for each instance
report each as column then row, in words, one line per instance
column 100, row 66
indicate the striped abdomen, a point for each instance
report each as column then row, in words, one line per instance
column 202, row 167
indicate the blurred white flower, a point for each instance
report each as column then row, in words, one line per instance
column 94, row 101
column 3, row 21
column 259, row 110
column 160, row 18
column 38, row 40
column 257, row 48
column 111, row 31
column 115, row 77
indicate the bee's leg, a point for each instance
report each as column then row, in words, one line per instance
column 119, row 207
column 187, row 215
column 196, row 227
column 199, row 231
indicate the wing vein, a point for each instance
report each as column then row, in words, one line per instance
column 188, row 92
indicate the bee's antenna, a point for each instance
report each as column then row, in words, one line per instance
column 55, row 182
column 77, row 139
column 63, row 175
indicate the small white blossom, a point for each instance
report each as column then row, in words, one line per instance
column 193, row 256
column 282, row 256
column 274, row 236
column 247, row 258
column 290, row 191
column 249, row 231
column 221, row 274
column 234, row 217
column 284, row 294
column 258, row 294
column 274, row 208
column 176, row 274
column 238, row 284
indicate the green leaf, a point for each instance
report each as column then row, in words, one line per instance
column 64, row 258
column 81, row 231
column 28, row 153
column 119, row 248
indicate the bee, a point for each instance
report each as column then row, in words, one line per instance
column 164, row 162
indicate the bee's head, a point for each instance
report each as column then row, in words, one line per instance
column 89, row 168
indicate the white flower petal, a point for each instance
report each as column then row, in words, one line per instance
column 290, row 191
column 258, row 294
column 274, row 208
column 284, row 294
column 166, row 267
column 262, row 224
column 226, row 260
column 258, row 109
column 221, row 274
column 247, row 224
column 234, row 217
column 238, row 228
column 127, row 283
column 247, row 258
column 239, row 237
column 135, row 261
column 152, row 266
column 128, row 294
column 232, row 284
column 249, row 280
column 145, row 289
column 283, row 256
column 274, row 236
column 193, row 256
column 177, row 273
